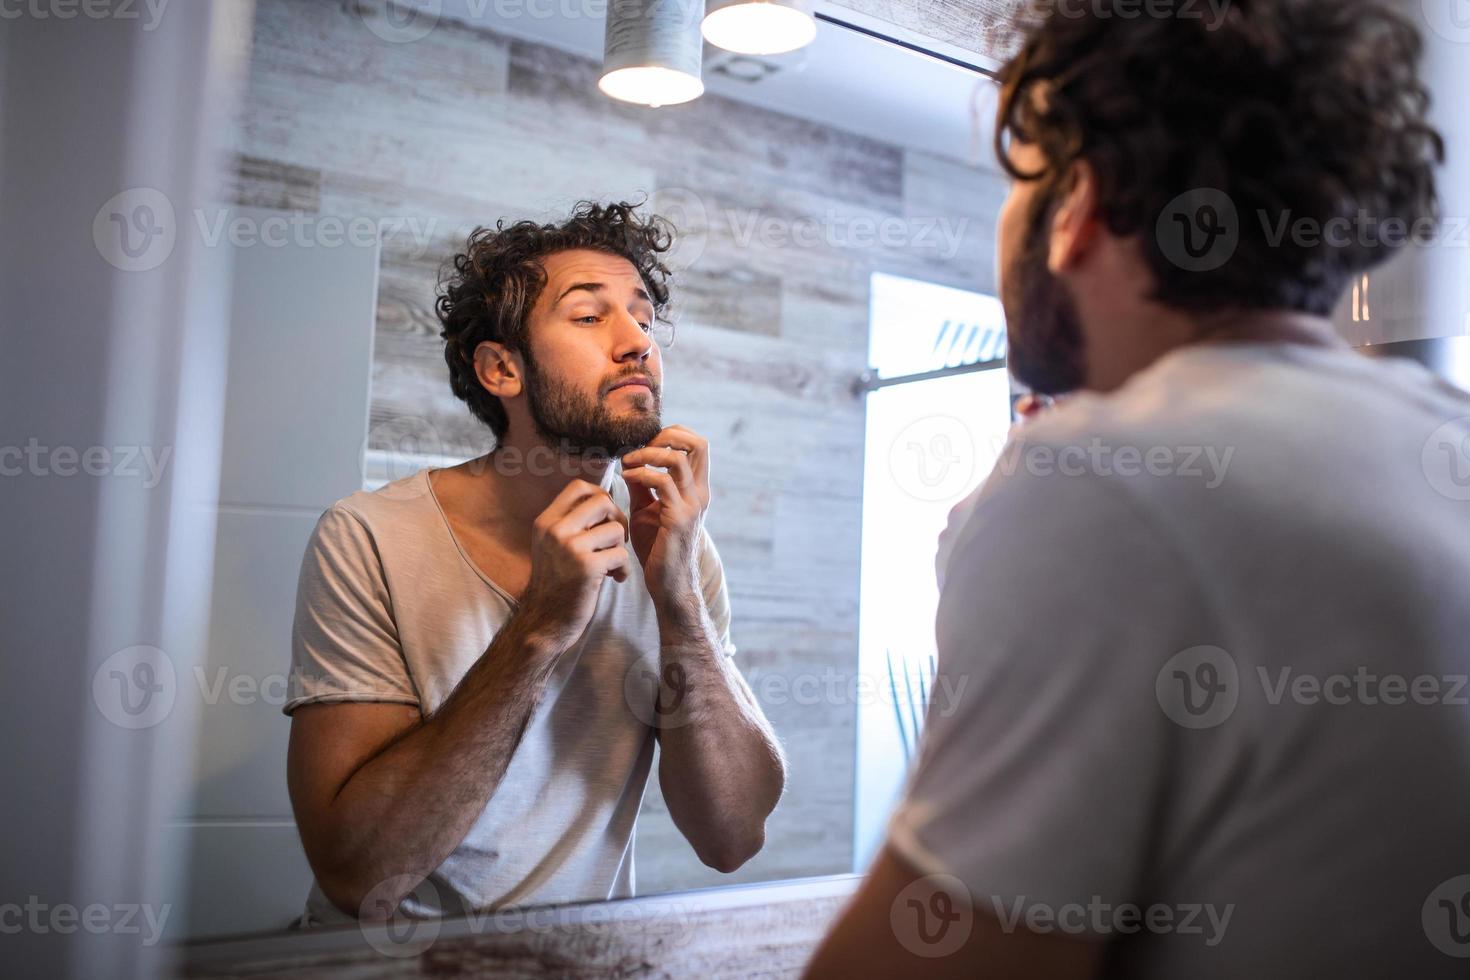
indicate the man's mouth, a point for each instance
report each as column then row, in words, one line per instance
column 640, row 380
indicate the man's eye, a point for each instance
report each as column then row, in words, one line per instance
column 647, row 327
column 586, row 319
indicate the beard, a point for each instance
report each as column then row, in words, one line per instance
column 1044, row 342
column 577, row 424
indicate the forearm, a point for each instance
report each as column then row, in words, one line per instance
column 721, row 768
column 408, row 807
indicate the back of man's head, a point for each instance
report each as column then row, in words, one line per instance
column 1261, row 152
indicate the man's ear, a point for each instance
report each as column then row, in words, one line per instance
column 500, row 369
column 1075, row 221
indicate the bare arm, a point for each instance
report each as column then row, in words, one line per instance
column 721, row 767
column 381, row 796
column 904, row 924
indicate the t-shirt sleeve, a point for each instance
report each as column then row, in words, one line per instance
column 1039, row 776
column 344, row 641
column 716, row 595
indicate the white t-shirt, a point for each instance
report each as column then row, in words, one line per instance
column 391, row 608
column 1184, row 633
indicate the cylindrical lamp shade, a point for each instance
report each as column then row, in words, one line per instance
column 651, row 51
column 760, row 26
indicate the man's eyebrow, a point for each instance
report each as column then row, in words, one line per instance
column 596, row 287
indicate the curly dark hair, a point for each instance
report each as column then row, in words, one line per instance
column 1290, row 109
column 493, row 284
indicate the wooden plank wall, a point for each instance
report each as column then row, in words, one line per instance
column 465, row 126
column 985, row 27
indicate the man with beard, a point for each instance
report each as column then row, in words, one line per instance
column 481, row 664
column 1212, row 724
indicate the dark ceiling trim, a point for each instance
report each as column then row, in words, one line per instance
column 906, row 45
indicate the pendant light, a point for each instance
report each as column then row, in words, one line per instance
column 760, row 26
column 651, row 51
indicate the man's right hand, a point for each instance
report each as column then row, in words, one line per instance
column 576, row 543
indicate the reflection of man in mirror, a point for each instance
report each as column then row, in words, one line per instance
column 1207, row 613
column 487, row 653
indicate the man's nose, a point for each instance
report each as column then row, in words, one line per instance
column 633, row 342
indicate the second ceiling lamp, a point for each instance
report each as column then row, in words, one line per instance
column 652, row 48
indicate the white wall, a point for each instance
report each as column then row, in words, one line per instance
column 107, row 355
column 295, row 426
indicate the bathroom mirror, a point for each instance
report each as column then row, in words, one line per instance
column 834, row 296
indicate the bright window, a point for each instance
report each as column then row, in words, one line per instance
column 930, row 441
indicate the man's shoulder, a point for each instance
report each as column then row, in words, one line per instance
column 388, row 504
column 375, row 518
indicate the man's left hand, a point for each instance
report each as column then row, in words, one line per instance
column 667, row 513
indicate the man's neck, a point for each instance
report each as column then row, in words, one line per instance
column 1127, row 344
column 512, row 485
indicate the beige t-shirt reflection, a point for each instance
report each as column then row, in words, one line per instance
column 390, row 607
